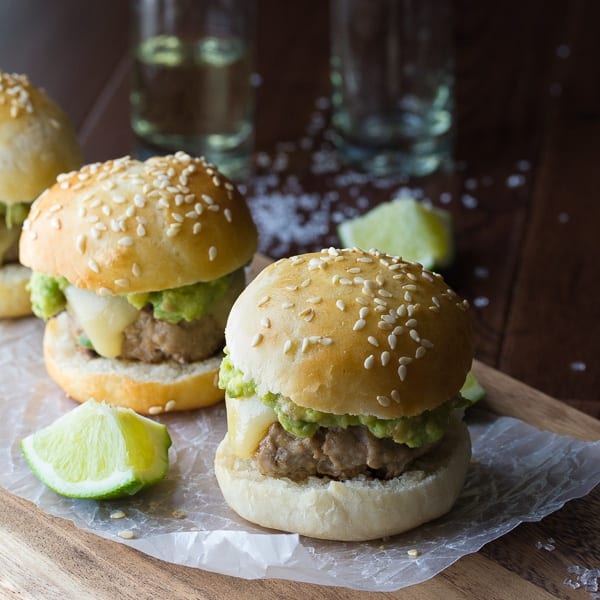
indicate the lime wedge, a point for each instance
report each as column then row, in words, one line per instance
column 99, row 451
column 406, row 228
column 472, row 390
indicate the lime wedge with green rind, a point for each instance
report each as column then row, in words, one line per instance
column 403, row 227
column 98, row 451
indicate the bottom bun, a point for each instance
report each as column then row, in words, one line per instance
column 352, row 510
column 14, row 295
column 146, row 388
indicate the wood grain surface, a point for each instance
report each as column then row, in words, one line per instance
column 524, row 201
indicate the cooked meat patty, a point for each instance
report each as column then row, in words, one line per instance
column 336, row 453
column 150, row 340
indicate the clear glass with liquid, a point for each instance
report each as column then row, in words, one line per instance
column 191, row 82
column 392, row 84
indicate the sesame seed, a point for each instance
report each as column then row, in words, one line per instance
column 413, row 553
column 135, row 270
column 314, row 300
column 407, row 297
column 359, row 324
column 420, row 353
column 401, row 310
column 263, row 301
column 405, row 360
column 117, row 514
column 384, row 293
column 196, row 228
column 383, row 400
column 170, row 405
column 179, row 218
column 395, row 396
column 265, row 322
column 308, row 314
column 373, row 341
column 340, row 305
column 227, row 214
column 335, row 279
column 354, row 270
column 414, row 334
column 411, row 323
column 287, row 346
column 122, row 282
column 257, row 339
column 103, row 291
column 56, row 223
column 127, row 534
column 305, row 283
column 173, row 229
column 411, row 287
column 402, row 372
column 426, row 343
column 435, row 301
column 362, row 301
column 287, row 305
column 384, row 326
column 93, row 265
column 369, row 362
column 81, row 243
column 212, row 253
column 363, row 312
column 304, row 345
column 291, row 288
column 385, row 358
column 126, row 241
column 392, row 340
column 325, row 341
column 141, row 230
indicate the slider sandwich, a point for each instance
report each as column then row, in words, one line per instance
column 37, row 142
column 135, row 267
column 342, row 376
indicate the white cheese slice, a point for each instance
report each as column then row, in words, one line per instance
column 102, row 318
column 248, row 420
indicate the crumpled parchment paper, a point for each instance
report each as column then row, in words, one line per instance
column 518, row 474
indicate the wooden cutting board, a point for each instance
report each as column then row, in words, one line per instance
column 46, row 557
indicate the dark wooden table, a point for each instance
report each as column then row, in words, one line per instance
column 525, row 194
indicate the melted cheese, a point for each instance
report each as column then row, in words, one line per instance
column 248, row 420
column 102, row 318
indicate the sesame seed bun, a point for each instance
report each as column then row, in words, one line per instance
column 127, row 226
column 148, row 389
column 351, row 510
column 14, row 295
column 352, row 332
column 37, row 140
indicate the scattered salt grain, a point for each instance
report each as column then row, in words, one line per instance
column 563, row 217
column 578, row 366
column 524, row 166
column 445, row 197
column 563, row 51
column 471, row 183
column 469, row 201
column 481, row 272
column 256, row 80
column 481, row 301
column 516, row 180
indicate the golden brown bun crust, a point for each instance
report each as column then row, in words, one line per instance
column 394, row 342
column 127, row 226
column 147, row 389
column 14, row 295
column 351, row 510
column 37, row 140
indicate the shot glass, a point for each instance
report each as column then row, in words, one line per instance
column 191, row 83
column 392, row 84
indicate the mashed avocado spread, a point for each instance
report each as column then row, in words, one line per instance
column 414, row 431
column 15, row 214
column 179, row 304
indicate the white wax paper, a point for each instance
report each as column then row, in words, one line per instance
column 518, row 474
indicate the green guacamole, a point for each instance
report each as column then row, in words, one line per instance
column 179, row 304
column 414, row 431
column 15, row 214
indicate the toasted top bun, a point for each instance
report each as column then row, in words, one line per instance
column 127, row 226
column 352, row 332
column 37, row 140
